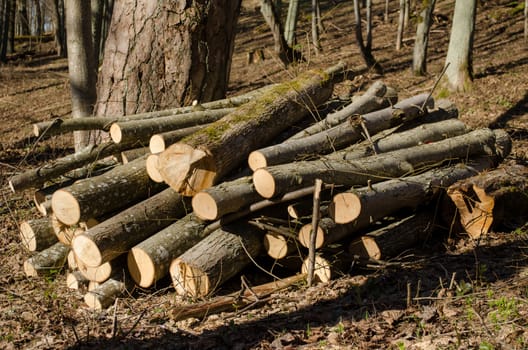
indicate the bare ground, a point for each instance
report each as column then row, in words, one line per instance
column 450, row 293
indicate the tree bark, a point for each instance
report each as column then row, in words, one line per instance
column 391, row 240
column 160, row 142
column 401, row 25
column 272, row 181
column 366, row 52
column 37, row 235
column 291, row 22
column 149, row 261
column 97, row 13
column 106, row 293
column 201, row 159
column 23, row 19
column 81, row 66
column 163, row 54
column 281, row 47
column 142, row 130
column 124, row 230
column 340, row 136
column 316, row 11
column 118, row 188
column 57, row 16
column 221, row 255
column 459, row 59
column 131, row 154
column 492, row 198
column 425, row 19
column 47, row 262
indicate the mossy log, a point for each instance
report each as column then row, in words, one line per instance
column 215, row 259
column 150, row 260
column 48, row 261
column 391, row 240
column 373, row 99
column 492, row 198
column 105, row 294
column 37, row 234
column 94, row 197
column 201, row 159
column 272, row 181
column 159, row 142
column 142, row 130
column 37, row 177
column 124, row 230
column 370, row 203
column 340, row 136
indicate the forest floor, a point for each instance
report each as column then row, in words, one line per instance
column 451, row 293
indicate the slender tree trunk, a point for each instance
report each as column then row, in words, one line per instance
column 81, row 65
column 97, row 9
column 58, row 27
column 401, row 20
column 11, row 27
column 366, row 53
column 459, row 73
column 291, row 22
column 23, row 18
column 386, row 12
column 315, row 25
column 39, row 23
column 419, row 65
column 281, row 47
column 105, row 24
column 4, row 27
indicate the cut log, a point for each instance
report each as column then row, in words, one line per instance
column 340, row 136
column 92, row 285
column 149, row 261
column 373, row 99
column 131, row 154
column 235, row 301
column 274, row 180
column 102, row 272
column 124, row 230
column 152, row 168
column 65, row 233
column 278, row 246
column 94, row 197
column 72, row 261
column 159, row 142
column 37, row 235
column 35, row 178
column 322, row 269
column 374, row 202
column 142, row 130
column 492, row 198
column 106, row 293
column 201, row 159
column 221, row 255
column 47, row 262
column 327, row 232
column 392, row 240
column 227, row 197
column 75, row 280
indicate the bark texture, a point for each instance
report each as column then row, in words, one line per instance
column 425, row 19
column 37, row 235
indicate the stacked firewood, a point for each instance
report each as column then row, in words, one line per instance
column 187, row 207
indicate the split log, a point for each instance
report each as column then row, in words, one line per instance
column 142, row 130
column 278, row 246
column 105, row 294
column 48, row 261
column 374, row 202
column 391, row 240
column 159, row 142
column 373, row 99
column 37, row 235
column 76, row 280
column 274, row 180
column 492, row 198
column 221, row 255
column 124, row 230
column 201, row 159
column 131, row 154
column 152, row 168
column 342, row 135
column 35, row 178
column 94, row 197
column 235, row 301
column 65, row 233
column 149, row 261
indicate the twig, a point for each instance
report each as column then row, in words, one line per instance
column 266, row 227
column 409, row 294
column 114, row 320
column 313, row 233
column 435, row 85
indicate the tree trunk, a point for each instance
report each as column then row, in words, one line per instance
column 104, row 271
column 59, row 31
column 75, row 280
column 278, row 246
column 4, row 28
column 281, row 47
column 133, row 154
column 291, row 22
column 106, row 293
column 47, row 262
column 374, row 202
column 23, row 18
column 340, row 136
column 118, row 188
column 221, row 255
column 142, row 130
column 37, row 235
column 11, row 27
column 160, row 142
column 39, row 25
column 366, row 53
column 81, row 66
column 315, row 26
column 201, row 159
column 373, row 99
column 97, row 10
column 391, row 240
column 273, row 181
column 459, row 59
column 153, row 168
column 490, row 199
column 149, row 261
column 425, row 19
column 163, row 54
column 121, row 232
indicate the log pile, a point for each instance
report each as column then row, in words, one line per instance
column 190, row 210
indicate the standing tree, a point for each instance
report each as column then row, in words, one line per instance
column 162, row 54
column 81, row 65
column 22, row 17
column 459, row 72
column 365, row 48
column 419, row 64
column 59, row 31
column 291, row 22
